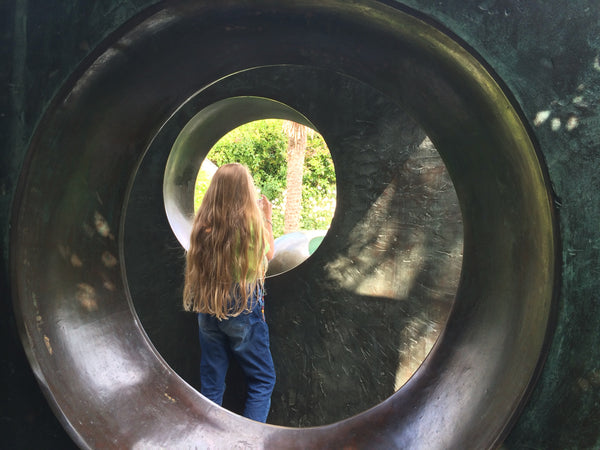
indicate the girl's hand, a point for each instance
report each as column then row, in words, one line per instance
column 266, row 207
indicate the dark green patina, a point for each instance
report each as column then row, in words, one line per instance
column 544, row 53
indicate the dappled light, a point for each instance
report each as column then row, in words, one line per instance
column 408, row 248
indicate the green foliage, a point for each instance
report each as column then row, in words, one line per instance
column 318, row 165
column 262, row 146
column 318, row 186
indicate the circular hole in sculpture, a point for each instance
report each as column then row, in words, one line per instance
column 259, row 133
column 486, row 361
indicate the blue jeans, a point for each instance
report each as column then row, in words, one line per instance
column 247, row 338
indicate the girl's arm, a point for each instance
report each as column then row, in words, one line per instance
column 267, row 209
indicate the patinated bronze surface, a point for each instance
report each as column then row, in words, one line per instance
column 95, row 267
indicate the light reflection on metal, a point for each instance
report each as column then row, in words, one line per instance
column 478, row 374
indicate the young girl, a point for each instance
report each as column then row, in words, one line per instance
column 230, row 245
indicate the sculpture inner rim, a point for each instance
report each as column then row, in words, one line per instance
column 194, row 142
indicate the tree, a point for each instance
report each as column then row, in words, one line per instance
column 262, row 146
column 296, row 150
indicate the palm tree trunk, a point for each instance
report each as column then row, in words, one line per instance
column 295, row 168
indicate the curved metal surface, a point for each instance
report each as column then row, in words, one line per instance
column 67, row 259
column 293, row 249
column 394, row 250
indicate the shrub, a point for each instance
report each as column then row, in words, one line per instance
column 262, row 146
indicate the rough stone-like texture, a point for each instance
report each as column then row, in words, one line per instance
column 344, row 338
column 545, row 52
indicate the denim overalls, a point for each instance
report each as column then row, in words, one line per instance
column 247, row 338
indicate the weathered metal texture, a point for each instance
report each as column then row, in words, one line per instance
column 77, row 281
column 372, row 304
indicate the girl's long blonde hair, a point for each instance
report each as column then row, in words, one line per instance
column 225, row 263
